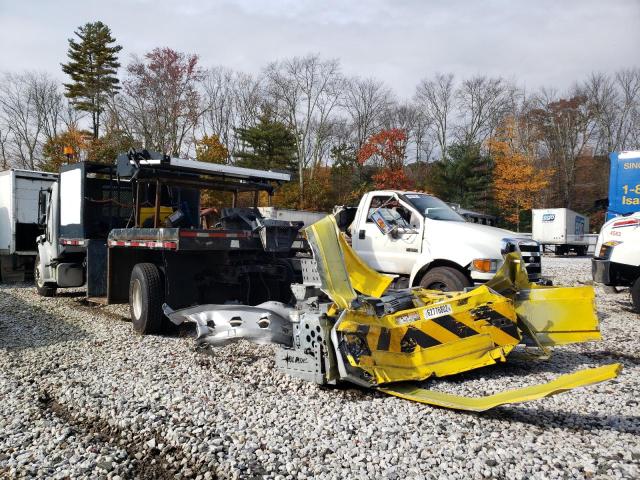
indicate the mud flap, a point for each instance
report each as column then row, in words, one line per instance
column 582, row 378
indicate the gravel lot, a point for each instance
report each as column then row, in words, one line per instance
column 82, row 396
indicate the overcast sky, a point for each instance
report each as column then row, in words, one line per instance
column 536, row 42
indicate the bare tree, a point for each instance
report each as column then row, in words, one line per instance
column 231, row 100
column 4, row 155
column 435, row 97
column 614, row 101
column 566, row 128
column 305, row 91
column 160, row 103
column 365, row 102
column 481, row 102
column 22, row 118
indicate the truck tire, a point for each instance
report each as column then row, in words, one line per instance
column 146, row 295
column 446, row 279
column 635, row 295
column 44, row 289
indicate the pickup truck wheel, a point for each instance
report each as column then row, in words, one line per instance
column 446, row 279
column 635, row 295
column 43, row 289
column 146, row 294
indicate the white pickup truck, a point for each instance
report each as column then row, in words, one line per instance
column 616, row 261
column 420, row 238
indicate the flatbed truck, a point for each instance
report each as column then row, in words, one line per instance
column 131, row 232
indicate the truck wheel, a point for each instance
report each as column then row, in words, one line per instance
column 446, row 279
column 44, row 289
column 146, row 294
column 635, row 295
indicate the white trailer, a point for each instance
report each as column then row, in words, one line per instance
column 19, row 226
column 561, row 228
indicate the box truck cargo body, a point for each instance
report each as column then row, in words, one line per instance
column 624, row 183
column 562, row 229
column 19, row 227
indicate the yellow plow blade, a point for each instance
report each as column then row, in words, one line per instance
column 582, row 378
column 341, row 269
column 363, row 278
column 323, row 239
column 559, row 315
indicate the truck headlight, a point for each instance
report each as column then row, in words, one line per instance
column 605, row 249
column 486, row 265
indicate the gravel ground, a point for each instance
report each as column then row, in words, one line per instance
column 82, row 396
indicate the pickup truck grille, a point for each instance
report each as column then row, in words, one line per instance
column 530, row 251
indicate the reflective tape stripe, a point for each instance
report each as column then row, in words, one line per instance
column 143, row 243
column 66, row 241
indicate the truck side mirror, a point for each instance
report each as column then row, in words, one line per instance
column 43, row 197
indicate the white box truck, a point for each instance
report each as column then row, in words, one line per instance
column 562, row 229
column 19, row 225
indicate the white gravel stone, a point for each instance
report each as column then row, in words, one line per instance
column 84, row 397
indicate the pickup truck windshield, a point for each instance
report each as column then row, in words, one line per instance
column 433, row 208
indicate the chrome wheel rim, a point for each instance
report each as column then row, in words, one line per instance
column 136, row 299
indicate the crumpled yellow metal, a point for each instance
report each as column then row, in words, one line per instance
column 555, row 315
column 581, row 378
column 480, row 330
column 450, row 332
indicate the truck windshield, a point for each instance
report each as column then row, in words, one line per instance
column 433, row 208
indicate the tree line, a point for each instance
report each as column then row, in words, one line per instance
column 484, row 142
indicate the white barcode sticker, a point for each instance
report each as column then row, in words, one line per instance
column 437, row 311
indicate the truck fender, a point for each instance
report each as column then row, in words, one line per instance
column 424, row 263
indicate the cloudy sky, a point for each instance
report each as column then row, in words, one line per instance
column 536, row 42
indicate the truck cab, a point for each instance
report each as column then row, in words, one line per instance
column 616, row 261
column 425, row 242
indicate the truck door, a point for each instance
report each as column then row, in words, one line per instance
column 393, row 251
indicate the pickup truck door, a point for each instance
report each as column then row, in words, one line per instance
column 394, row 252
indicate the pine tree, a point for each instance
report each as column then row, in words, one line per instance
column 268, row 145
column 92, row 67
column 463, row 177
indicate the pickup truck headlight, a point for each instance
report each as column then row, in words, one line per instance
column 486, row 265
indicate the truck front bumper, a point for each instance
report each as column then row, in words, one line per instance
column 601, row 271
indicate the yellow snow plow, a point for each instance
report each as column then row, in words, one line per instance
column 392, row 340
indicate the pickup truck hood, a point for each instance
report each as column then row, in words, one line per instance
column 480, row 241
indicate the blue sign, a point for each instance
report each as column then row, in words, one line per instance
column 624, row 183
column 548, row 217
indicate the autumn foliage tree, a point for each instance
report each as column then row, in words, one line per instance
column 53, row 151
column 516, row 179
column 210, row 149
column 387, row 150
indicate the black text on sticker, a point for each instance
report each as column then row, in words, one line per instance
column 439, row 311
